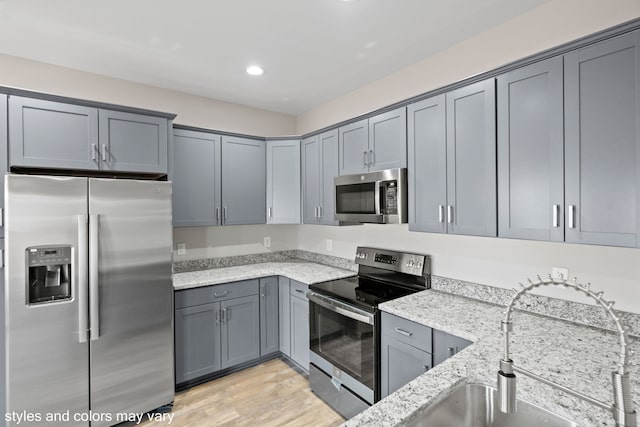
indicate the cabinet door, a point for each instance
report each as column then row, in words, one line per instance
column 197, row 345
column 52, row 135
column 269, row 296
column 196, row 178
column 240, row 330
column 400, row 364
column 388, row 140
column 530, row 152
column 243, row 181
column 446, row 345
column 133, row 142
column 328, row 170
column 311, row 176
column 471, row 160
column 284, row 314
column 427, row 167
column 283, row 182
column 3, row 152
column 300, row 331
column 354, row 148
column 602, row 163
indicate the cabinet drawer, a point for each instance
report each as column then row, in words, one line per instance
column 408, row 332
column 299, row 289
column 208, row 294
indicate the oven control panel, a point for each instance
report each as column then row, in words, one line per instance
column 415, row 264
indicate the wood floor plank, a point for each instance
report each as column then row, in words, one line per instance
column 272, row 394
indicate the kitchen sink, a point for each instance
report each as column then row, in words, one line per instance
column 475, row 405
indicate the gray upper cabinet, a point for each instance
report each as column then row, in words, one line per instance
column 354, row 147
column 319, row 167
column 48, row 134
column 133, row 142
column 452, row 162
column 374, row 144
column 52, row 134
column 471, row 160
column 240, row 332
column 388, row 140
column 243, row 181
column 531, row 152
column 196, row 178
column 269, row 297
column 427, row 164
column 283, row 182
column 602, row 146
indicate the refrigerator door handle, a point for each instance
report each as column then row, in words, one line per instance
column 81, row 281
column 94, row 297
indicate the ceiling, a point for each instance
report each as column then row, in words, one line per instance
column 312, row 50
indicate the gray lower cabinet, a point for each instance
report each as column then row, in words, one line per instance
column 446, row 345
column 319, row 167
column 283, row 181
column 299, row 324
column 452, row 162
column 132, row 142
column 196, row 178
column 405, row 352
column 243, row 181
column 216, row 327
column 602, row 143
column 269, row 316
column 284, row 315
column 51, row 134
column 530, row 152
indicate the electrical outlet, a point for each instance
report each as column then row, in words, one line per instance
column 329, row 244
column 267, row 242
column 182, row 248
column 560, row 272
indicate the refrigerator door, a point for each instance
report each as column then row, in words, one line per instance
column 131, row 296
column 47, row 352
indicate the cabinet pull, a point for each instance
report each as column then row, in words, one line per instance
column 227, row 314
column 299, row 291
column 556, row 215
column 403, row 332
column 365, row 161
column 269, row 213
column 224, row 212
column 217, row 316
column 452, row 351
column 221, row 294
column 217, row 213
column 426, row 368
column 572, row 209
column 320, row 209
column 372, row 158
column 449, row 214
column 440, row 213
column 104, row 152
column 94, row 151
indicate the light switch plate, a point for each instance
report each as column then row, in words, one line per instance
column 560, row 273
column 267, row 242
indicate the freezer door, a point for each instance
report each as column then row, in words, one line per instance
column 47, row 354
column 131, row 296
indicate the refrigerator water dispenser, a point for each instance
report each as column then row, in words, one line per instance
column 48, row 275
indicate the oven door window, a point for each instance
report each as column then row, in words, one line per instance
column 356, row 198
column 346, row 343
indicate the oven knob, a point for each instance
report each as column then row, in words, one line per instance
column 419, row 265
column 410, row 263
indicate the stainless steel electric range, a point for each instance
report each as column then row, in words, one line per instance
column 344, row 323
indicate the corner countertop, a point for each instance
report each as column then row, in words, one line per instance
column 305, row 272
column 574, row 355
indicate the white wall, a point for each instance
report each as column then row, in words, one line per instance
column 191, row 110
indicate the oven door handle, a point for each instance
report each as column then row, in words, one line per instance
column 341, row 308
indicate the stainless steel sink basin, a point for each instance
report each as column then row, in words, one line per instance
column 475, row 405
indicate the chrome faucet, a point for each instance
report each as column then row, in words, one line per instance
column 622, row 407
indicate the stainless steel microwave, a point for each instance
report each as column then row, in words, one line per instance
column 375, row 197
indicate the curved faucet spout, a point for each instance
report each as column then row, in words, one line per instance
column 622, row 408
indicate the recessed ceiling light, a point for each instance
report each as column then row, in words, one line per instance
column 255, row 70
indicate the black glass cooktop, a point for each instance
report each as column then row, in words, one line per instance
column 361, row 291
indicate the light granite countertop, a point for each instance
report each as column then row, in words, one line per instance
column 305, row 272
column 571, row 354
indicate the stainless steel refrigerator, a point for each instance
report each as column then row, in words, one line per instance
column 88, row 319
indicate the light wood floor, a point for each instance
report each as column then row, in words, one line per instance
column 270, row 394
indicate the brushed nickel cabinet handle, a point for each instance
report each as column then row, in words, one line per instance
column 440, row 213
column 572, row 212
column 449, row 214
column 365, row 163
column 556, row 216
column 403, row 332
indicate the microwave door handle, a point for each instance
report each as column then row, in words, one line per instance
column 378, row 189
